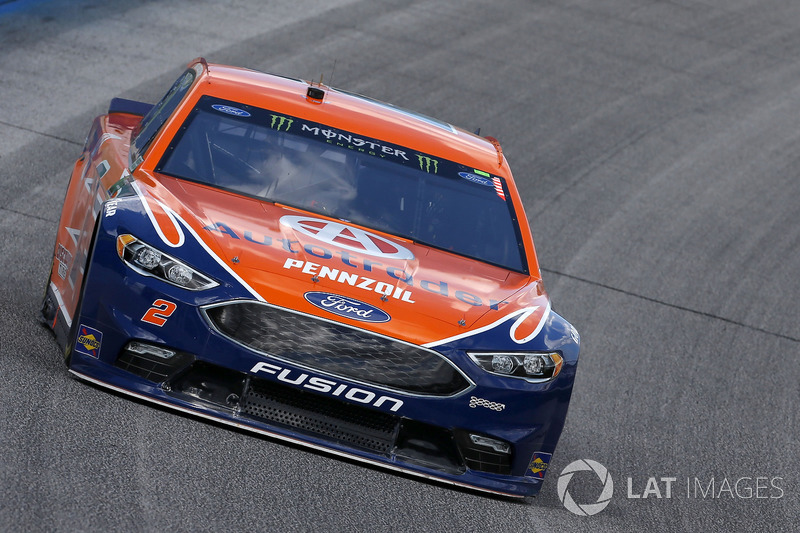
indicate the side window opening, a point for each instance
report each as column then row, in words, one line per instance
column 155, row 119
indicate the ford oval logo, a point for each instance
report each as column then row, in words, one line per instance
column 474, row 178
column 235, row 111
column 347, row 307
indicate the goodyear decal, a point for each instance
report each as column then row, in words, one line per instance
column 89, row 341
column 537, row 468
column 111, row 207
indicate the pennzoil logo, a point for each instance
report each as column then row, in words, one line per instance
column 280, row 123
column 89, row 341
column 428, row 164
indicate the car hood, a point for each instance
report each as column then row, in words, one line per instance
column 344, row 272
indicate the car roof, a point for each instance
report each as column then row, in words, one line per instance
column 352, row 112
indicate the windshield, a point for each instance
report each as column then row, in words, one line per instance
column 339, row 174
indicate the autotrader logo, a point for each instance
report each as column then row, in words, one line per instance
column 348, row 237
column 585, row 509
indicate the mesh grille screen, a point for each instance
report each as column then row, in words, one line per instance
column 337, row 349
column 346, row 423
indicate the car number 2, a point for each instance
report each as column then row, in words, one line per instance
column 159, row 312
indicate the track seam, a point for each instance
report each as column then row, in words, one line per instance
column 673, row 306
column 56, row 137
column 28, row 215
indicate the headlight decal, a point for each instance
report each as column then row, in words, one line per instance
column 536, row 367
column 150, row 261
column 180, row 224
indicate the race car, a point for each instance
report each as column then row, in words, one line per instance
column 315, row 266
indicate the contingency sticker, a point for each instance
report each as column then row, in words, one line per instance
column 538, row 466
column 64, row 259
column 89, row 341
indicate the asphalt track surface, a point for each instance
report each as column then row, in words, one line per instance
column 658, row 151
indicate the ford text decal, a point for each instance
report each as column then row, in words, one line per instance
column 347, row 307
column 347, row 237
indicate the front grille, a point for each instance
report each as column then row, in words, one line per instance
column 331, row 419
column 337, row 349
column 488, row 461
column 336, row 420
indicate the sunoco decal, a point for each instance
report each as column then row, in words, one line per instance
column 537, row 468
column 347, row 307
column 89, row 341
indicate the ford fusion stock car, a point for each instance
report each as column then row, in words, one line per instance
column 315, row 266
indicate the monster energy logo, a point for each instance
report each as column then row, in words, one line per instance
column 279, row 121
column 427, row 163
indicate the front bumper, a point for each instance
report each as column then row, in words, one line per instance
column 485, row 433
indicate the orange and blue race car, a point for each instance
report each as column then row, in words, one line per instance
column 315, row 266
